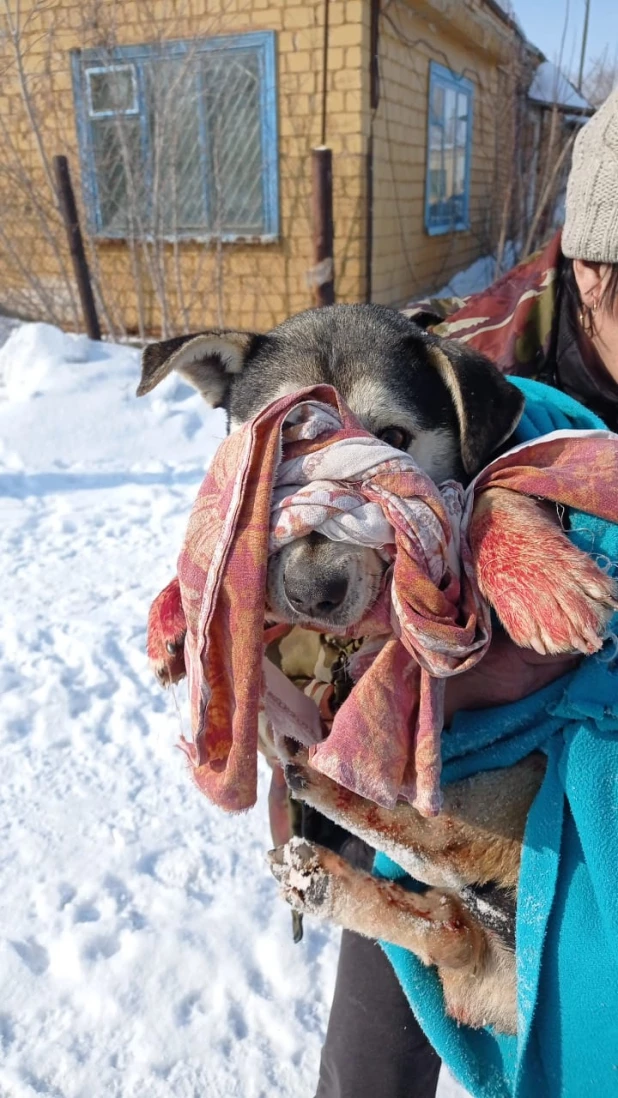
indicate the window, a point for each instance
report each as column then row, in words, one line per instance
column 449, row 140
column 179, row 139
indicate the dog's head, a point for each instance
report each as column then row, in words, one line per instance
column 444, row 404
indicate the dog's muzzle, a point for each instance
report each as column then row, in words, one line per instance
column 319, row 582
column 315, row 593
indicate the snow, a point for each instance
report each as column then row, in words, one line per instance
column 550, row 86
column 7, row 323
column 509, row 11
column 143, row 947
column 29, row 358
column 478, row 276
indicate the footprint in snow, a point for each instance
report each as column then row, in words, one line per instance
column 66, row 895
column 118, row 890
column 237, row 1022
column 34, row 956
column 101, row 948
column 86, row 913
column 187, row 1009
column 7, row 1032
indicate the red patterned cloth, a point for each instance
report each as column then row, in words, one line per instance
column 274, row 480
column 511, row 321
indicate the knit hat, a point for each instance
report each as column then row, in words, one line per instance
column 591, row 224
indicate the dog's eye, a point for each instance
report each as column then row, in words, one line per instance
column 396, row 437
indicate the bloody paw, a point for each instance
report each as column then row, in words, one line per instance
column 305, row 880
column 548, row 595
column 166, row 634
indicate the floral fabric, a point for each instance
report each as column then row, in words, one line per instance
column 304, row 463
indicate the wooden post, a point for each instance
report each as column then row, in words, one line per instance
column 68, row 210
column 582, row 58
column 325, row 72
column 322, row 275
column 369, row 216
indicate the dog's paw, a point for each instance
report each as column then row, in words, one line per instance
column 548, row 595
column 312, row 787
column 298, row 776
column 289, row 751
column 167, row 627
column 305, row 878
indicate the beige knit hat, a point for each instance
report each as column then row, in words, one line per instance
column 591, row 222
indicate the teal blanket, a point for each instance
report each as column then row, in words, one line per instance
column 567, row 913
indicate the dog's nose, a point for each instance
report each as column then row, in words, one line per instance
column 315, row 596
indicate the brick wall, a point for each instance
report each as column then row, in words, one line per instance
column 407, row 262
column 257, row 285
column 249, row 285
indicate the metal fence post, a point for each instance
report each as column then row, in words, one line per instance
column 68, row 210
column 323, row 275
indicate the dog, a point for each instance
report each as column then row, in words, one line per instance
column 452, row 410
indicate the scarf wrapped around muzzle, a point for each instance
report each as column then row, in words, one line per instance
column 305, row 464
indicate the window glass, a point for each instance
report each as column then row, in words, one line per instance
column 179, row 138
column 448, row 151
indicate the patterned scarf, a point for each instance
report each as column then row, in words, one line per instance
column 303, row 464
column 511, row 322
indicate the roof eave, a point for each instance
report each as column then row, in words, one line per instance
column 563, row 108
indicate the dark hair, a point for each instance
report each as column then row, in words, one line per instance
column 608, row 299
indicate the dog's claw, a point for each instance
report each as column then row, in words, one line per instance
column 297, row 926
column 292, row 747
column 295, row 777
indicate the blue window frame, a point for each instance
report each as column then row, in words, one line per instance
column 449, row 144
column 179, row 139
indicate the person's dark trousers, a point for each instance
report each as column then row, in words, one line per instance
column 374, row 1046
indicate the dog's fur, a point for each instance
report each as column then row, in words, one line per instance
column 448, row 408
column 452, row 411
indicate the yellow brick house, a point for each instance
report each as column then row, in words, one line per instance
column 189, row 124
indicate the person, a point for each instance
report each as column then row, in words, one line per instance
column 553, row 318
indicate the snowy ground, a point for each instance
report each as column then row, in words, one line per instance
column 143, row 949
column 478, row 276
column 7, row 323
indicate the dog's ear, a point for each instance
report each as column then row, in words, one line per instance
column 208, row 361
column 488, row 407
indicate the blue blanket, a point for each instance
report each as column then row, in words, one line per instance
column 567, row 912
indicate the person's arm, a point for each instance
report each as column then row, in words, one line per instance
column 505, row 674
